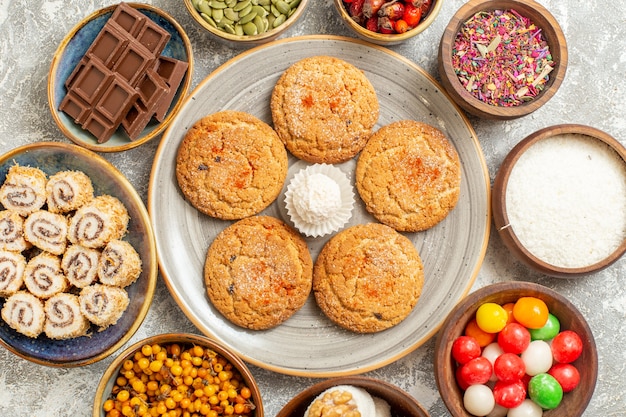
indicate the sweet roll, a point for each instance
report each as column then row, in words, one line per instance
column 24, row 190
column 47, row 231
column 12, row 265
column 67, row 191
column 103, row 305
column 44, row 277
column 119, row 265
column 98, row 222
column 12, row 232
column 80, row 265
column 63, row 317
column 24, row 313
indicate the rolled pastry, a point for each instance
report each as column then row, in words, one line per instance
column 12, row 265
column 80, row 265
column 12, row 232
column 103, row 305
column 44, row 277
column 24, row 313
column 23, row 190
column 98, row 222
column 63, row 317
column 47, row 231
column 67, row 191
column 120, row 264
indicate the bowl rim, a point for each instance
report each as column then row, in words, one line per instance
column 247, row 40
column 167, row 338
column 443, row 362
column 546, row 21
column 153, row 262
column 183, row 89
column 498, row 201
column 361, row 381
column 388, row 38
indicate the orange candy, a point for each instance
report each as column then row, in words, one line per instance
column 531, row 312
column 477, row 333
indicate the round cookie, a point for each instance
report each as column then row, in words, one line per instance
column 368, row 278
column 231, row 165
column 324, row 109
column 409, row 176
column 258, row 272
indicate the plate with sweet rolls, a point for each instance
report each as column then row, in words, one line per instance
column 78, row 263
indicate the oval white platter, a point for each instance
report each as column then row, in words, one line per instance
column 308, row 344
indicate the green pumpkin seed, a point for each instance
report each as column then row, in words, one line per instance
column 231, row 14
column 241, row 5
column 229, row 29
column 259, row 10
column 260, row 23
column 249, row 17
column 217, row 4
column 279, row 20
column 250, row 29
column 239, row 30
column 294, row 3
column 282, row 7
column 218, row 15
column 203, row 7
column 208, row 19
column 231, row 3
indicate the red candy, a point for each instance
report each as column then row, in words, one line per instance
column 514, row 338
column 388, row 16
column 476, row 371
column 465, row 348
column 566, row 375
column 509, row 394
column 509, row 367
column 566, row 346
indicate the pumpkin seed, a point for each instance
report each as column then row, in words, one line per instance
column 282, row 6
column 279, row 20
column 218, row 15
column 208, row 19
column 249, row 17
column 229, row 29
column 259, row 10
column 217, row 4
column 261, row 24
column 239, row 30
column 231, row 14
column 241, row 5
column 250, row 29
column 203, row 7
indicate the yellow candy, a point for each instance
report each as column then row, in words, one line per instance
column 491, row 317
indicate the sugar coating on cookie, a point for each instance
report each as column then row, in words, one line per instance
column 324, row 109
column 409, row 176
column 231, row 165
column 368, row 278
column 258, row 272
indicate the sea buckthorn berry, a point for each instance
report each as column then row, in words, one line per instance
column 491, row 317
column 170, row 387
column 531, row 312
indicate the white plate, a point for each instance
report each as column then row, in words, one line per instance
column 308, row 344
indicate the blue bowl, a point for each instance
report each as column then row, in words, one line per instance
column 74, row 46
column 52, row 157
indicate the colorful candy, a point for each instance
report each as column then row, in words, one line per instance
column 514, row 361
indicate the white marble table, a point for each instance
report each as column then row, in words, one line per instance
column 593, row 93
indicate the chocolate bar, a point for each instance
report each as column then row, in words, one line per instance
column 122, row 79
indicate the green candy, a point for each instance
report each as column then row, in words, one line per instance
column 545, row 391
column 548, row 331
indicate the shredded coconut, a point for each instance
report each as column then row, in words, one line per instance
column 566, row 200
column 318, row 199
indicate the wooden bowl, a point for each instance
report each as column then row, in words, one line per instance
column 236, row 40
column 502, row 214
column 401, row 403
column 574, row 402
column 72, row 49
column 551, row 32
column 382, row 38
column 52, row 157
column 185, row 340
